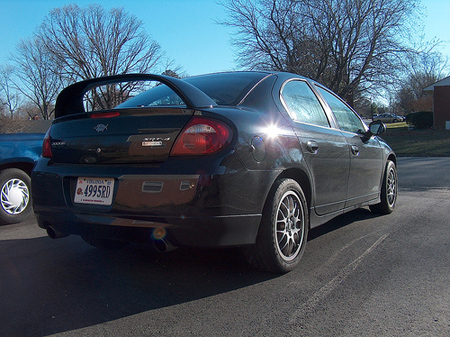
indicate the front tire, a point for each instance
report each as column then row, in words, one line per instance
column 389, row 190
column 283, row 231
column 15, row 205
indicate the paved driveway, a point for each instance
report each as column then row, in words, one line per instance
column 361, row 275
column 424, row 173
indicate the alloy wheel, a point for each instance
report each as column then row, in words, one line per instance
column 290, row 226
column 391, row 186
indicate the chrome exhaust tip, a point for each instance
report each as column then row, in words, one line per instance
column 163, row 246
column 54, row 233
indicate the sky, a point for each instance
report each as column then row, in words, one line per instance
column 185, row 29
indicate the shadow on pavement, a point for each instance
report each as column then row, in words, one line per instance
column 52, row 286
column 47, row 287
column 341, row 221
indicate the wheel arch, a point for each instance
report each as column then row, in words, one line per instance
column 24, row 166
column 302, row 179
column 392, row 158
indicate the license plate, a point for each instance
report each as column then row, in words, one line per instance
column 94, row 191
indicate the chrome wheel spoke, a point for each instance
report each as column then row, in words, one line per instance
column 289, row 226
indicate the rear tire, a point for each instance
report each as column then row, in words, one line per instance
column 105, row 244
column 283, row 232
column 389, row 191
column 15, row 205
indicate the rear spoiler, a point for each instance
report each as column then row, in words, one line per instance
column 70, row 99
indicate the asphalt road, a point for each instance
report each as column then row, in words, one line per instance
column 361, row 275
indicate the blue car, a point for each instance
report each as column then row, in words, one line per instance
column 19, row 153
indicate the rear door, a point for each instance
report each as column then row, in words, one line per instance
column 324, row 148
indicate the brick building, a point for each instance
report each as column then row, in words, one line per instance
column 441, row 103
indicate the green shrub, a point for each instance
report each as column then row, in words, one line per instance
column 420, row 120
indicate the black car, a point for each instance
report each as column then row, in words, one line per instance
column 250, row 159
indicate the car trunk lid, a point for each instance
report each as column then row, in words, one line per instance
column 128, row 136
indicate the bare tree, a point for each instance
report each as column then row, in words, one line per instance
column 424, row 68
column 11, row 98
column 91, row 42
column 349, row 45
column 39, row 76
column 173, row 70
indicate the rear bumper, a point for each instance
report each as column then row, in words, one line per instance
column 212, row 207
column 214, row 231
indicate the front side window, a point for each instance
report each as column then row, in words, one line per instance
column 302, row 104
column 346, row 117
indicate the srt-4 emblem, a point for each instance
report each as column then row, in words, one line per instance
column 155, row 141
column 101, row 127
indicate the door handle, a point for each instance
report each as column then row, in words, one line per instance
column 355, row 150
column 312, row 146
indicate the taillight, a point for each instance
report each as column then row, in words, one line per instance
column 202, row 136
column 47, row 145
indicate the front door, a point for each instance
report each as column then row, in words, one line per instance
column 365, row 169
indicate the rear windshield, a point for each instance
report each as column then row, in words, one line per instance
column 223, row 88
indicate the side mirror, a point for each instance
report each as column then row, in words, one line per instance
column 377, row 128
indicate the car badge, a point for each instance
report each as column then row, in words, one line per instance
column 101, row 127
column 155, row 141
column 58, row 143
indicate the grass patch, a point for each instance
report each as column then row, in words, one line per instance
column 417, row 143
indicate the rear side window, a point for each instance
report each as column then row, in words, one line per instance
column 302, row 104
column 346, row 117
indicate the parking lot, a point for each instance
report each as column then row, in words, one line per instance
column 361, row 275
